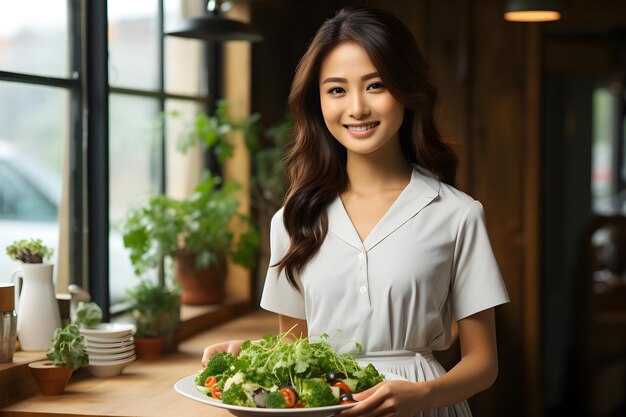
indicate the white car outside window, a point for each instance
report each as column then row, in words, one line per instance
column 29, row 201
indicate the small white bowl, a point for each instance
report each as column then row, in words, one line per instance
column 111, row 357
column 108, row 341
column 109, row 350
column 105, row 369
column 109, row 330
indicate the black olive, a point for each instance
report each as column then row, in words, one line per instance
column 259, row 396
column 333, row 376
column 346, row 397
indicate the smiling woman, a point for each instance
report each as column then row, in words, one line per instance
column 374, row 244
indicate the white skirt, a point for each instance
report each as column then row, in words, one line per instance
column 415, row 367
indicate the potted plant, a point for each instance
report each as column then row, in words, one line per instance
column 155, row 311
column 197, row 232
column 37, row 307
column 88, row 314
column 68, row 353
column 31, row 251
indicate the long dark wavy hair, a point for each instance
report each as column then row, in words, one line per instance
column 315, row 162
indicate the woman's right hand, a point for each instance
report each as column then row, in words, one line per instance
column 232, row 346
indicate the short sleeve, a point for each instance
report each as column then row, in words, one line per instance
column 476, row 282
column 278, row 295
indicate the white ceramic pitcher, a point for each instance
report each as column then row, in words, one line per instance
column 38, row 313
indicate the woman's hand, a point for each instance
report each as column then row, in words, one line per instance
column 391, row 398
column 232, row 346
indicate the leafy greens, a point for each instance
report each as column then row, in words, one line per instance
column 274, row 362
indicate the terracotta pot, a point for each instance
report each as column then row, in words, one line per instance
column 200, row 286
column 150, row 348
column 50, row 378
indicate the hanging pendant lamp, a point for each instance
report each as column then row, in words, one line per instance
column 532, row 11
column 216, row 28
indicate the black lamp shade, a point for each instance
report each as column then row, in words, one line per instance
column 217, row 29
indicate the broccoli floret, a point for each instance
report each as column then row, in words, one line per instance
column 367, row 377
column 316, row 393
column 235, row 395
column 218, row 364
column 201, row 377
column 275, row 400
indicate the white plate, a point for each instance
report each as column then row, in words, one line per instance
column 108, row 341
column 187, row 387
column 110, row 368
column 110, row 363
column 112, row 357
column 108, row 330
column 91, row 349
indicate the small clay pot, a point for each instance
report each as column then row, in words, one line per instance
column 150, row 348
column 200, row 286
column 50, row 378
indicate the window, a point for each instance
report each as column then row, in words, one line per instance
column 608, row 179
column 150, row 76
column 50, row 77
column 39, row 86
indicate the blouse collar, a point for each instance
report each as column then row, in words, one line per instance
column 421, row 190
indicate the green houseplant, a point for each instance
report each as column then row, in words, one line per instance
column 155, row 311
column 67, row 354
column 31, row 251
column 194, row 232
column 198, row 232
column 88, row 314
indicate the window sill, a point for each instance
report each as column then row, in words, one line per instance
column 144, row 388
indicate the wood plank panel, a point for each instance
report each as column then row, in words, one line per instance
column 533, row 380
column 497, row 147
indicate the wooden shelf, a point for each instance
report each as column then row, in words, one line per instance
column 144, row 389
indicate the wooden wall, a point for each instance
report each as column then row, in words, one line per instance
column 485, row 71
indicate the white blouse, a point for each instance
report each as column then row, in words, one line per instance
column 429, row 257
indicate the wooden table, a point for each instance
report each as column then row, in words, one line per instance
column 144, row 388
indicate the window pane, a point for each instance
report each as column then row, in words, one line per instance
column 134, row 44
column 135, row 169
column 183, row 170
column 184, row 58
column 602, row 183
column 34, row 37
column 31, row 161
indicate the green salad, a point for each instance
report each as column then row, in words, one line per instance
column 274, row 373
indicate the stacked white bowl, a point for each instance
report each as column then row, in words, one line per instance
column 111, row 347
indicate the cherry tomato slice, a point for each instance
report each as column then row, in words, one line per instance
column 289, row 396
column 342, row 386
column 210, row 381
column 216, row 392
